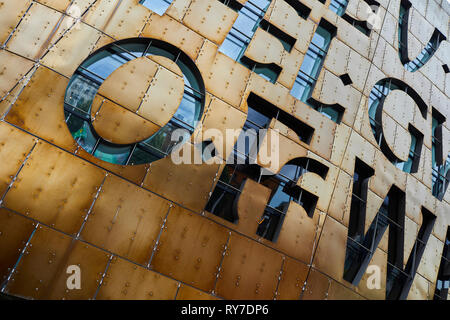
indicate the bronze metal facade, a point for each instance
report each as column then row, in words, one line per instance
column 142, row 231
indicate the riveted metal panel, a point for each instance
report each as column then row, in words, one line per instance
column 359, row 147
column 125, row 280
column 379, row 260
column 178, row 9
column 419, row 289
column 60, row 5
column 128, row 84
column 41, row 273
column 210, row 18
column 10, row 14
column 340, row 201
column 270, row 144
column 429, row 264
column 127, row 20
column 330, row 253
column 190, row 249
column 157, row 107
column 186, row 184
column 170, row 30
column 15, row 230
column 40, row 108
column 249, row 270
column 221, row 118
column 118, row 125
column 338, row 291
column 37, row 30
column 57, row 196
column 13, row 68
column 15, row 145
column 298, row 234
column 125, row 220
column 264, row 48
column 188, row 293
column 134, row 173
column 292, row 279
column 290, row 62
column 317, row 285
column 252, row 201
column 223, row 77
column 68, row 53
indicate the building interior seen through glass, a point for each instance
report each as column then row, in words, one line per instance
column 88, row 78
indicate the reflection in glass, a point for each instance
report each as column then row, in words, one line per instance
column 88, row 78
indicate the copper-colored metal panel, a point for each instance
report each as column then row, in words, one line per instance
column 15, row 231
column 250, row 270
column 251, row 204
column 298, row 235
column 190, row 249
column 210, row 18
column 270, row 145
column 223, row 77
column 359, row 147
column 340, row 201
column 121, row 126
column 126, row 20
column 379, row 260
column 40, row 108
column 274, row 93
column 250, row 207
column 429, row 264
column 68, row 53
column 264, row 48
column 339, row 292
column 125, row 280
column 178, row 9
column 219, row 118
column 128, row 84
column 330, row 254
column 110, row 16
column 60, row 5
column 100, row 13
column 36, row 32
column 163, row 96
column 15, row 145
column 292, row 280
column 419, row 289
column 134, row 173
column 57, row 196
column 290, row 62
column 316, row 287
column 188, row 293
column 386, row 174
column 170, row 30
column 284, row 17
column 186, row 184
column 125, row 220
column 13, row 68
column 10, row 14
column 42, row 271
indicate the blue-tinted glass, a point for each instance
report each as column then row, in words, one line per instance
column 82, row 133
column 141, row 156
column 158, row 6
column 339, row 6
column 80, row 93
column 291, row 171
column 112, row 154
column 279, row 198
column 189, row 110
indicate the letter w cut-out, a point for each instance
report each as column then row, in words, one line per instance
column 361, row 247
